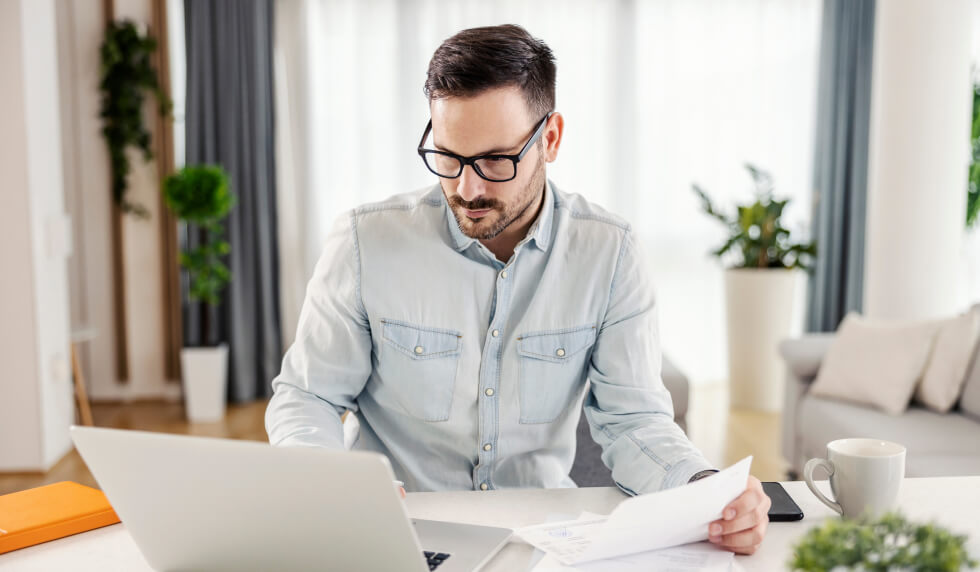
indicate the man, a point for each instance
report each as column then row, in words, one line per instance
column 460, row 323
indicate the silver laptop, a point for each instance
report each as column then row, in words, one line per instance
column 194, row 503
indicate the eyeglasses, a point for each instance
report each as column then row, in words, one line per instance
column 494, row 168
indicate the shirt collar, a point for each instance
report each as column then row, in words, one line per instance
column 539, row 233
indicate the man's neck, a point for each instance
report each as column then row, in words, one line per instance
column 502, row 246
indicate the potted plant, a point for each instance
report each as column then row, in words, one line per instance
column 199, row 197
column 760, row 283
column 890, row 543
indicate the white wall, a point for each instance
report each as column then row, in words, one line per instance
column 35, row 395
column 87, row 187
column 919, row 153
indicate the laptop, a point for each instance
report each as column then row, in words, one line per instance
column 196, row 503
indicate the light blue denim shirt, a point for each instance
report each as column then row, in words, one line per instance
column 470, row 373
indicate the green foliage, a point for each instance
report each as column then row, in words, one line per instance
column 756, row 233
column 199, row 196
column 127, row 75
column 889, row 543
column 973, row 188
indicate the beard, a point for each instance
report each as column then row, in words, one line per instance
column 501, row 214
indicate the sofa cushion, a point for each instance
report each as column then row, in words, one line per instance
column 875, row 363
column 937, row 444
column 942, row 381
column 676, row 383
column 970, row 400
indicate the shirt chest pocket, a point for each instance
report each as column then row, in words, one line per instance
column 552, row 368
column 420, row 364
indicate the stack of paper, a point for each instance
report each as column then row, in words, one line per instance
column 643, row 523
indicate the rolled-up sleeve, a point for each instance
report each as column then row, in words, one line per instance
column 329, row 363
column 628, row 408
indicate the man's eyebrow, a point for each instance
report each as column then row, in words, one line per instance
column 494, row 151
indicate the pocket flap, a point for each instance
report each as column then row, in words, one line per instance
column 421, row 342
column 556, row 345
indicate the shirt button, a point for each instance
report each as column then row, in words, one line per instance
column 495, row 333
column 483, row 486
column 487, row 447
column 503, row 274
column 418, row 349
column 559, row 353
column 489, row 392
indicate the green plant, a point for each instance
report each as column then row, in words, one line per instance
column 126, row 76
column 973, row 188
column 199, row 196
column 889, row 543
column 756, row 233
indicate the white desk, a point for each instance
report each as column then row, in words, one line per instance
column 951, row 501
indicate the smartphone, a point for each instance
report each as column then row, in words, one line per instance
column 783, row 508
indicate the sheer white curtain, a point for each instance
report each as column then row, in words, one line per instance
column 656, row 95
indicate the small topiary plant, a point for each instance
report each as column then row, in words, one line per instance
column 889, row 543
column 199, row 195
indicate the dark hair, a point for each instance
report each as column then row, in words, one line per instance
column 479, row 59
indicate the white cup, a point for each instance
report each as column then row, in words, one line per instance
column 865, row 475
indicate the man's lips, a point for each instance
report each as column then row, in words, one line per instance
column 476, row 214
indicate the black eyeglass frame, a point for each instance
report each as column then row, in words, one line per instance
column 471, row 161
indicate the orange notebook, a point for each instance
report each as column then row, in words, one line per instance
column 53, row 511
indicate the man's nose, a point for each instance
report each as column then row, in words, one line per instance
column 471, row 186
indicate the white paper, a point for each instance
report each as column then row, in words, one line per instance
column 689, row 557
column 645, row 522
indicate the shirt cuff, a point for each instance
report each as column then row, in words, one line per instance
column 681, row 473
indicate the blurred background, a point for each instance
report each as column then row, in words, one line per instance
column 858, row 114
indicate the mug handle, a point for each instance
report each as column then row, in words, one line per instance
column 808, row 477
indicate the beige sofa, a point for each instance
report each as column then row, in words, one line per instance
column 937, row 444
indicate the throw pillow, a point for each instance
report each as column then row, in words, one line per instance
column 970, row 402
column 875, row 363
column 951, row 356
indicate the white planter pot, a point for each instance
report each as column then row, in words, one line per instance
column 205, row 382
column 760, row 311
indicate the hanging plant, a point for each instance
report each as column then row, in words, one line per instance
column 127, row 75
column 973, row 186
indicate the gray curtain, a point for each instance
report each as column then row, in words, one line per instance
column 229, row 122
column 841, row 161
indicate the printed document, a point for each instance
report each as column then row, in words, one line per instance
column 643, row 523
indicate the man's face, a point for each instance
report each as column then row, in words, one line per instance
column 496, row 121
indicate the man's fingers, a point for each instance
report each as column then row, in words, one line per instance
column 744, row 539
column 743, row 505
column 744, row 522
column 746, row 502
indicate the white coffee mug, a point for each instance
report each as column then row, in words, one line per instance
column 865, row 475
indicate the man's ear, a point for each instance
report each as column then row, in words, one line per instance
column 552, row 136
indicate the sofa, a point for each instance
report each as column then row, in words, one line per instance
column 937, row 444
column 588, row 470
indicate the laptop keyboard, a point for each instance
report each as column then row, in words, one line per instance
column 434, row 559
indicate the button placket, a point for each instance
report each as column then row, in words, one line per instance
column 490, row 374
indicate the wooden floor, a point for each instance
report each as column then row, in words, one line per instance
column 727, row 435
column 724, row 436
column 240, row 422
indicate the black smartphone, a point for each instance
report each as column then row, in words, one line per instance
column 783, row 508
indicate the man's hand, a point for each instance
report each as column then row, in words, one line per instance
column 744, row 521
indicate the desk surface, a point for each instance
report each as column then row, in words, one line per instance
column 951, row 501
